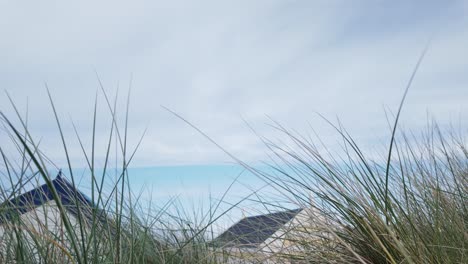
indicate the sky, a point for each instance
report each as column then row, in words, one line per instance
column 227, row 67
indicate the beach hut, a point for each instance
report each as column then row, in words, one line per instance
column 35, row 215
column 277, row 237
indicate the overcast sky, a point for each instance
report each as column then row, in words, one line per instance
column 219, row 62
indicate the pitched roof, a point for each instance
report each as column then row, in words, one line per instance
column 252, row 231
column 71, row 198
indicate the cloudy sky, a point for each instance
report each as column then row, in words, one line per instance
column 218, row 63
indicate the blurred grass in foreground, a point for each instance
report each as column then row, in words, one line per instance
column 408, row 206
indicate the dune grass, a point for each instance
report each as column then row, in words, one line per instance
column 131, row 233
column 406, row 206
column 420, row 218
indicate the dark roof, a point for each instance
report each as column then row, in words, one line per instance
column 252, row 231
column 71, row 198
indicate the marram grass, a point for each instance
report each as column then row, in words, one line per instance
column 409, row 208
column 421, row 219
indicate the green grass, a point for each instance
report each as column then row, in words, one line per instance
column 131, row 234
column 407, row 204
column 420, row 218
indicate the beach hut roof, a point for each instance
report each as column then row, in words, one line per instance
column 252, row 231
column 71, row 198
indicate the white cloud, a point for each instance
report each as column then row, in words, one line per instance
column 214, row 62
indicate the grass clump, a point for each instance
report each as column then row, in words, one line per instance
column 421, row 218
column 109, row 226
column 407, row 205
